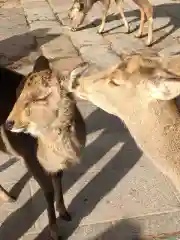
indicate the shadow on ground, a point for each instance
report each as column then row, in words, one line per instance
column 18, row 46
column 124, row 229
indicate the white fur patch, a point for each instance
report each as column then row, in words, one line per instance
column 17, row 130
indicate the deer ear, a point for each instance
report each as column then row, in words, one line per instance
column 164, row 85
column 41, row 63
column 76, row 73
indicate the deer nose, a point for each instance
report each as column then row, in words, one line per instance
column 9, row 124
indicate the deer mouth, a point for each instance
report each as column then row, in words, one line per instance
column 10, row 125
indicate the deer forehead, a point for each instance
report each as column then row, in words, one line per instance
column 38, row 79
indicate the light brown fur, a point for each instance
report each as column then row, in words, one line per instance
column 80, row 8
column 141, row 92
column 46, row 111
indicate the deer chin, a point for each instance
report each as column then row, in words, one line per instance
column 17, row 130
column 32, row 130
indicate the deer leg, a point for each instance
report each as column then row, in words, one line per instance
column 141, row 26
column 121, row 11
column 149, row 14
column 60, row 206
column 45, row 182
column 105, row 11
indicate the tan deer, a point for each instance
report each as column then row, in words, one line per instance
column 80, row 9
column 141, row 92
column 48, row 112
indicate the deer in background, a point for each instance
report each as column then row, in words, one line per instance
column 80, row 9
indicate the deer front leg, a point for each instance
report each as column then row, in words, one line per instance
column 105, row 11
column 121, row 11
column 150, row 31
column 60, row 206
column 141, row 26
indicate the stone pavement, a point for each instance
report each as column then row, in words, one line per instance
column 116, row 193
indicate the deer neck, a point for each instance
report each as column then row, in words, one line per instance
column 63, row 122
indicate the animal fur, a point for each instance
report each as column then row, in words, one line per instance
column 44, row 127
column 140, row 91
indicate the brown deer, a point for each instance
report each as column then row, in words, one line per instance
column 46, row 115
column 80, row 8
column 141, row 92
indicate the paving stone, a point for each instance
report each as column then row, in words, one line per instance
column 101, row 55
column 50, row 27
column 59, row 47
column 124, row 43
column 13, row 22
column 169, row 51
column 10, row 175
column 23, row 197
column 171, row 9
column 23, row 65
column 66, row 64
column 25, row 70
column 87, row 37
column 127, row 194
column 15, row 48
column 18, row 227
column 162, row 40
column 10, row 4
column 60, row 6
column 31, row 237
column 15, row 42
column 160, row 223
column 123, row 229
column 40, row 11
column 86, row 232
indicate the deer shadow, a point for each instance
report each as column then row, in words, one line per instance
column 18, row 46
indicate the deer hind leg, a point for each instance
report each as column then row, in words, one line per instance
column 121, row 11
column 60, row 206
column 141, row 26
column 146, row 9
column 149, row 15
column 45, row 182
column 5, row 196
column 105, row 12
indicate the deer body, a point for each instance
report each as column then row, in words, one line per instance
column 133, row 91
column 47, row 112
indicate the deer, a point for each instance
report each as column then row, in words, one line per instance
column 51, row 133
column 80, row 9
column 141, row 91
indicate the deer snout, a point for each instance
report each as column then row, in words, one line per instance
column 9, row 124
